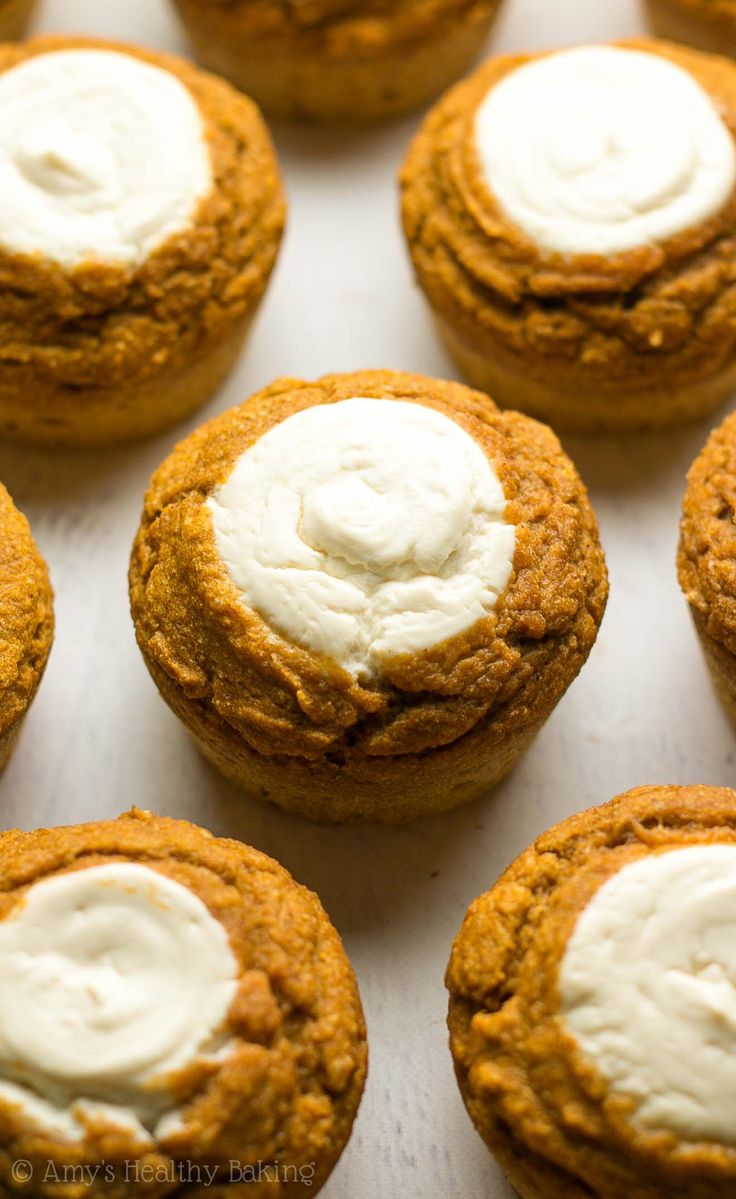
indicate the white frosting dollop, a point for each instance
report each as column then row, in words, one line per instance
column 112, row 977
column 101, row 155
column 598, row 149
column 648, row 989
column 365, row 529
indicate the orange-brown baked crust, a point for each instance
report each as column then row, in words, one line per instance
column 14, row 17
column 711, row 10
column 342, row 28
column 706, row 559
column 26, row 617
column 543, row 1110
column 625, row 318
column 102, row 326
column 708, row 24
column 281, row 699
column 287, row 1094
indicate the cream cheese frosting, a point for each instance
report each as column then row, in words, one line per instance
column 599, row 149
column 648, row 989
column 365, row 529
column 113, row 978
column 101, row 155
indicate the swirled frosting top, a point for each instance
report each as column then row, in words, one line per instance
column 365, row 529
column 102, row 156
column 600, row 149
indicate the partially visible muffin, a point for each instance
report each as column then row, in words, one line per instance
column 142, row 212
column 708, row 24
column 177, row 1016
column 364, row 595
column 571, row 218
column 26, row 621
column 15, row 16
column 706, row 560
column 593, row 1003
column 353, row 61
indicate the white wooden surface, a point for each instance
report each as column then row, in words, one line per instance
column 99, row 739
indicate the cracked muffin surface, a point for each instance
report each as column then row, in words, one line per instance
column 457, row 708
column 26, row 621
column 110, row 349
column 277, row 1099
column 543, row 1108
column 349, row 61
column 580, row 339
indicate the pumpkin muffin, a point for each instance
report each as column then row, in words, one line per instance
column 572, row 220
column 141, row 216
column 708, row 24
column 364, row 596
column 353, row 61
column 26, row 621
column 177, row 1016
column 15, row 16
column 592, row 1003
column 706, row 559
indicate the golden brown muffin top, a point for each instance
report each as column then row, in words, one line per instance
column 526, row 1090
column 340, row 26
column 99, row 324
column 288, row 1090
column 706, row 559
column 281, row 698
column 26, row 614
column 661, row 306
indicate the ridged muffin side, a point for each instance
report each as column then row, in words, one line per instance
column 15, row 16
column 706, row 560
column 707, row 24
column 346, row 61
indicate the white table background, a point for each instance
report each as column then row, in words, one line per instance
column 99, row 739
